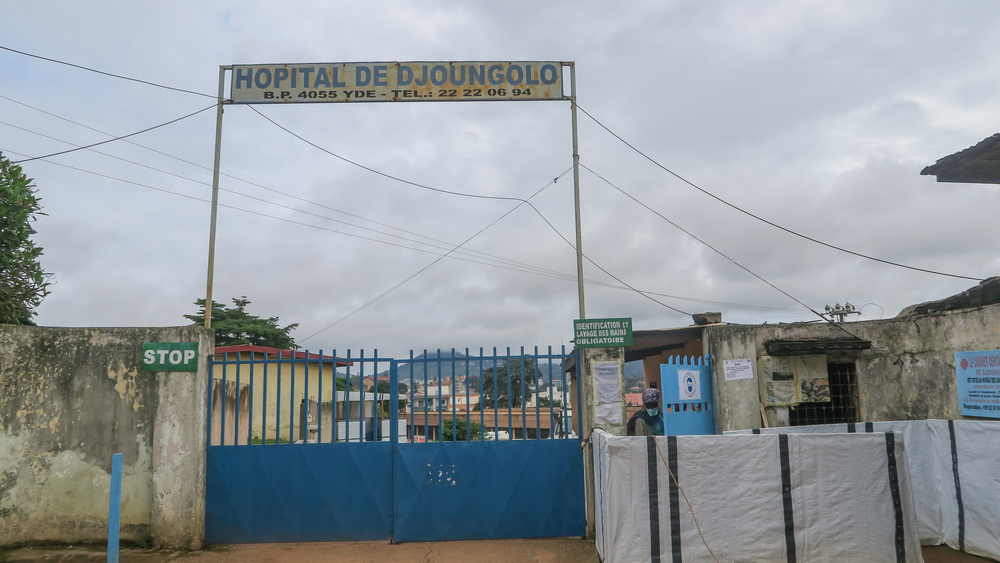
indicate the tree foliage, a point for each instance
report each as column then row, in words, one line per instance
column 234, row 326
column 383, row 387
column 458, row 430
column 547, row 402
column 509, row 372
column 23, row 283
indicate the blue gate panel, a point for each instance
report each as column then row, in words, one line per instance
column 489, row 490
column 687, row 400
column 294, row 493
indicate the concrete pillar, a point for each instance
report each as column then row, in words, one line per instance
column 177, row 515
column 587, row 376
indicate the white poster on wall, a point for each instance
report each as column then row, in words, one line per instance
column 607, row 375
column 738, row 369
column 610, row 413
column 690, row 384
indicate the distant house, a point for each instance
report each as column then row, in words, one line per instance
column 262, row 384
column 633, row 399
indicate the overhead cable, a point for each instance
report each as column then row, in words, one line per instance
column 286, row 194
column 379, row 172
column 717, row 251
column 514, row 265
column 422, row 270
column 494, row 263
column 759, row 218
column 114, row 139
column 81, row 67
column 521, row 266
column 619, row 280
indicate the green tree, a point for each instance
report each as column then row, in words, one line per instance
column 509, row 372
column 234, row 326
column 383, row 387
column 545, row 402
column 456, row 429
column 23, row 283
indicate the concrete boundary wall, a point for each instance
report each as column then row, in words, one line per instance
column 69, row 399
column 907, row 374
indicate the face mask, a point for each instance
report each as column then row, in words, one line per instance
column 653, row 412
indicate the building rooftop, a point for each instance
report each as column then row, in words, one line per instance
column 979, row 164
column 277, row 352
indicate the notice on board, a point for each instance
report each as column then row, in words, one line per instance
column 978, row 376
column 738, row 369
column 607, row 375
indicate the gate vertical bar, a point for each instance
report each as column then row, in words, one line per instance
column 236, row 406
column 454, row 421
column 508, row 366
column 361, row 396
column 304, row 422
column 211, row 389
column 277, row 404
column 250, row 402
column 524, row 398
column 215, row 199
column 319, row 395
column 468, row 414
column 378, row 404
column 440, row 411
column 482, row 404
column 334, row 402
column 222, row 409
column 412, row 435
column 263, row 407
column 291, row 402
column 393, row 436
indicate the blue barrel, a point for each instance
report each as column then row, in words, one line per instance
column 686, row 385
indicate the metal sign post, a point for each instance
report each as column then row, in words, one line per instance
column 215, row 196
column 453, row 81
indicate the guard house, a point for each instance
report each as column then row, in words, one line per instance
column 900, row 368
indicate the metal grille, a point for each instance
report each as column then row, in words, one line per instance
column 843, row 405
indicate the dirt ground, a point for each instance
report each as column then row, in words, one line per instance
column 559, row 550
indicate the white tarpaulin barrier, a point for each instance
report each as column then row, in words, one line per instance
column 795, row 498
column 954, row 473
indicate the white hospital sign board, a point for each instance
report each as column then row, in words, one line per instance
column 396, row 82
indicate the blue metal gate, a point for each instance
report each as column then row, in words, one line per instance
column 441, row 446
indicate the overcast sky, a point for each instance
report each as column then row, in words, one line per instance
column 816, row 115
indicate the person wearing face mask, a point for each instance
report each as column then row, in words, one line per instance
column 649, row 420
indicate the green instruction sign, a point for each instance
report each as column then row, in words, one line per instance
column 170, row 356
column 602, row 333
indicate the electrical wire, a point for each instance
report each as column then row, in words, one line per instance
column 286, row 220
column 400, row 284
column 759, row 218
column 619, row 280
column 526, row 268
column 521, row 266
column 116, row 138
column 719, row 252
column 379, row 172
column 468, row 251
column 81, row 67
column 522, row 201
